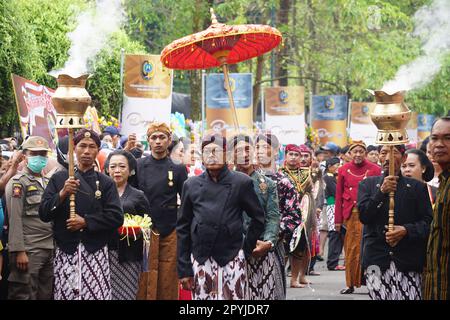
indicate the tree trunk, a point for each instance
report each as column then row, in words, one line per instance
column 257, row 86
column 313, row 37
column 195, row 76
column 281, row 64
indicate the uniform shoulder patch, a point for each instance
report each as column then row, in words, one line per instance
column 17, row 190
column 32, row 188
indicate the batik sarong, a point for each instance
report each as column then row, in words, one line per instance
column 266, row 277
column 352, row 248
column 393, row 284
column 82, row 275
column 213, row 282
column 330, row 217
column 124, row 277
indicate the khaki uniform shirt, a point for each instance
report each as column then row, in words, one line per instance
column 23, row 197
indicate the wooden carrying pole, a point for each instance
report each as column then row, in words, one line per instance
column 71, row 172
column 391, row 194
column 230, row 94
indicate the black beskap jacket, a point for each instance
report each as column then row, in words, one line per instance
column 153, row 178
column 103, row 216
column 412, row 210
column 210, row 221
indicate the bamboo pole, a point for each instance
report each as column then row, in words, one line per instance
column 230, row 94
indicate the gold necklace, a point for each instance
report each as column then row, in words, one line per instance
column 295, row 178
column 358, row 176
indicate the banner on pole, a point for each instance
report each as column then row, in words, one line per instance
column 412, row 129
column 91, row 119
column 219, row 116
column 361, row 125
column 285, row 113
column 424, row 123
column 147, row 94
column 37, row 116
column 329, row 118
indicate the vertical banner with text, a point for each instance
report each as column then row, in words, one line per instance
column 424, row 123
column 412, row 128
column 285, row 113
column 37, row 116
column 329, row 118
column 218, row 111
column 147, row 94
column 361, row 125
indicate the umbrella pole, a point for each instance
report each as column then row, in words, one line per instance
column 230, row 96
column 391, row 194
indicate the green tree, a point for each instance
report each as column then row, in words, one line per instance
column 33, row 41
column 104, row 85
column 18, row 54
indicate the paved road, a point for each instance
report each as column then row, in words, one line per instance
column 325, row 287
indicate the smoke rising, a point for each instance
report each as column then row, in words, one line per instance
column 94, row 27
column 432, row 26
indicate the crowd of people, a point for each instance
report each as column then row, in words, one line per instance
column 230, row 220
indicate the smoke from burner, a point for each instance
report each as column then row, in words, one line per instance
column 94, row 27
column 432, row 26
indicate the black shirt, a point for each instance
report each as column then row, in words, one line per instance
column 153, row 178
column 133, row 202
column 210, row 223
column 103, row 216
column 330, row 185
column 412, row 211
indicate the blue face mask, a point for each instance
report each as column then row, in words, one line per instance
column 37, row 163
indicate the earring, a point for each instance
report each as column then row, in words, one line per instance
column 132, row 173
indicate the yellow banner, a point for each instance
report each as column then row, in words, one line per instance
column 145, row 77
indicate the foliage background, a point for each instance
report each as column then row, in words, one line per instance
column 329, row 46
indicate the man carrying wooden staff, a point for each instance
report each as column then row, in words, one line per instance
column 393, row 259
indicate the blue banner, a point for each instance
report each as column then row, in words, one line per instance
column 217, row 96
column 425, row 121
column 332, row 107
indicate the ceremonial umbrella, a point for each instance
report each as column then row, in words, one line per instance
column 218, row 46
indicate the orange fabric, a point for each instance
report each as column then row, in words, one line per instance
column 352, row 248
column 161, row 281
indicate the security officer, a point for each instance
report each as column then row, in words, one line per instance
column 30, row 241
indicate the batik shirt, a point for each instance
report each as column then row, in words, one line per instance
column 437, row 285
column 289, row 202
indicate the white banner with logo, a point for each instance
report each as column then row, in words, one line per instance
column 361, row 125
column 285, row 113
column 147, row 94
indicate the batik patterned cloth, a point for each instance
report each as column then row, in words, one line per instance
column 213, row 282
column 394, row 284
column 124, row 277
column 352, row 248
column 266, row 277
column 82, row 275
column 330, row 217
column 289, row 202
column 437, row 271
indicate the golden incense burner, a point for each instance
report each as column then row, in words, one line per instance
column 71, row 100
column 390, row 116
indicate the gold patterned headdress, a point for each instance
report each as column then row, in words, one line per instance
column 157, row 126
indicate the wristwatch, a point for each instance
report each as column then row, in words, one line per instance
column 271, row 244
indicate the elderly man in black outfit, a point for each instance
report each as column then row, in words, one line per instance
column 211, row 244
column 394, row 260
